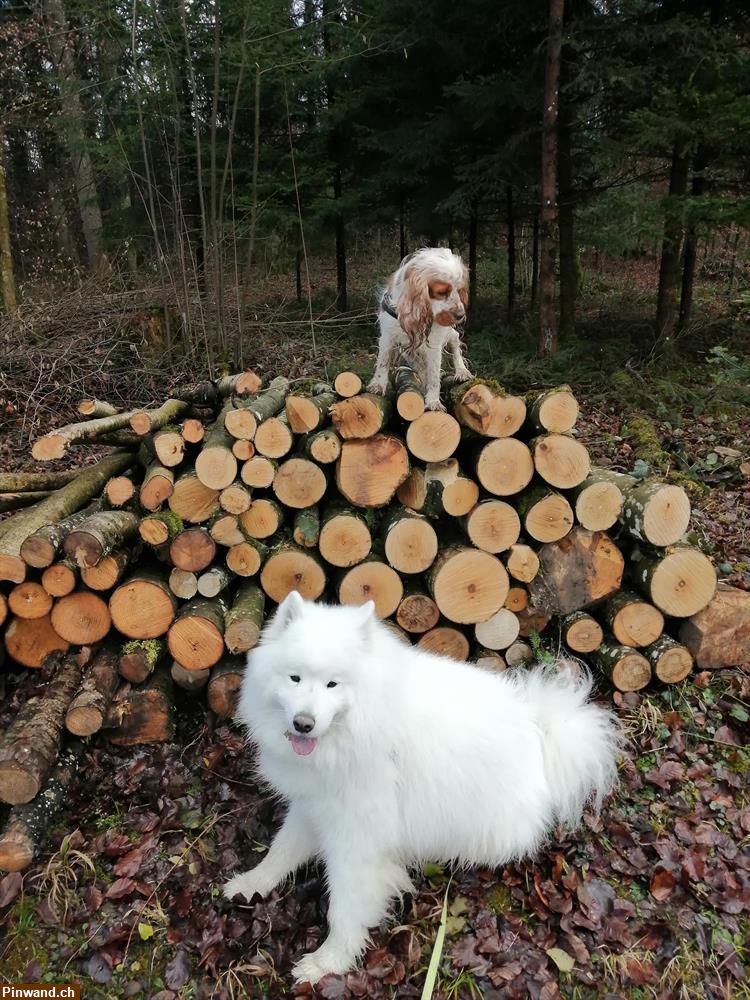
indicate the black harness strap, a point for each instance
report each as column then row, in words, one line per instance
column 386, row 304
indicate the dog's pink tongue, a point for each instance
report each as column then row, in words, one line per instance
column 303, row 745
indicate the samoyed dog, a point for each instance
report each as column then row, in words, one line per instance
column 389, row 756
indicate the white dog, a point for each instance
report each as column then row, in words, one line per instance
column 389, row 756
column 424, row 301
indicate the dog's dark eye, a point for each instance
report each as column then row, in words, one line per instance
column 332, row 684
column 294, row 677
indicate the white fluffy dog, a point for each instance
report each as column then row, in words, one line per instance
column 424, row 301
column 389, row 756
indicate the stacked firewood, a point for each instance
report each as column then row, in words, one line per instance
column 474, row 529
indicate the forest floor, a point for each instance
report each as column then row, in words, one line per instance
column 649, row 899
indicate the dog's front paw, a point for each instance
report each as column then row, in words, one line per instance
column 434, row 404
column 463, row 375
column 316, row 964
column 377, row 388
column 242, row 885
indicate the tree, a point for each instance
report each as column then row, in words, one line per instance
column 548, row 320
column 7, row 281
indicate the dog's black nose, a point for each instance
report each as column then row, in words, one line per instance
column 303, row 723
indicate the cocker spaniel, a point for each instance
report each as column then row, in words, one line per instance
column 422, row 305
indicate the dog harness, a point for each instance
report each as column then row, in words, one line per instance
column 386, row 304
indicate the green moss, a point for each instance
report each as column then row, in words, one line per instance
column 151, row 648
column 694, row 488
column 646, row 444
column 498, row 899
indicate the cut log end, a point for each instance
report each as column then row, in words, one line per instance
column 445, row 640
column 434, row 436
column 372, row 581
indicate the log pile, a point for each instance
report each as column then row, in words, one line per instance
column 474, row 529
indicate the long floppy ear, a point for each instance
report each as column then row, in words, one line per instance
column 414, row 308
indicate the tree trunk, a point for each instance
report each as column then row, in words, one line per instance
column 341, row 293
column 473, row 241
column 401, row 225
column 566, row 218
column 548, row 330
column 535, row 262
column 669, row 270
column 7, row 280
column 511, row 253
column 75, row 131
column 691, row 242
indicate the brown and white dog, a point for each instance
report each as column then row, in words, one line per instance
column 423, row 303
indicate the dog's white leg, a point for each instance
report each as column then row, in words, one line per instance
column 434, row 358
column 360, row 889
column 461, row 371
column 386, row 350
column 292, row 846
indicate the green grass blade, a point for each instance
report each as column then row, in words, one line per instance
column 437, row 951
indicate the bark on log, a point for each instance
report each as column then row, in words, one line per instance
column 485, row 407
column 445, row 640
column 27, row 824
column 360, row 417
column 224, row 686
column 306, row 530
column 10, row 502
column 212, row 394
column 409, row 393
column 96, row 408
column 492, row 526
column 40, row 549
column 157, row 486
column 88, row 709
column 147, row 421
column 719, row 634
column 680, row 580
column 439, row 488
column 100, row 534
column 631, row 620
column 81, row 618
column 532, row 620
column 410, row 541
column 29, row 641
column 139, row 658
column 468, row 585
column 22, row 482
column 554, row 411
column 288, row 568
column 31, row 744
column 656, row 513
column 306, row 412
column 216, row 466
column 54, row 509
column 372, row 580
column 627, row 669
column 143, row 607
column 560, row 460
column 145, row 714
column 299, row 483
column 196, row 637
column 581, row 632
column 581, row 569
column 504, row 466
column 369, row 472
column 244, row 619
column 108, row 571
column 191, row 500
column 670, row 661
column 55, row 444
column 214, row 581
column 189, row 680
column 434, row 436
column 345, row 537
column 29, row 600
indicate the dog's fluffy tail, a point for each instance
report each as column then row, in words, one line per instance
column 581, row 739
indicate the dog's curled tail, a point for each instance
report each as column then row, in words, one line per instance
column 581, row 739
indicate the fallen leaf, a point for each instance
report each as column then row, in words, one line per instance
column 562, row 959
column 662, row 884
column 177, row 971
column 145, row 931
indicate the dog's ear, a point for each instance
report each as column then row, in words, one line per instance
column 290, row 608
column 414, row 306
column 366, row 618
